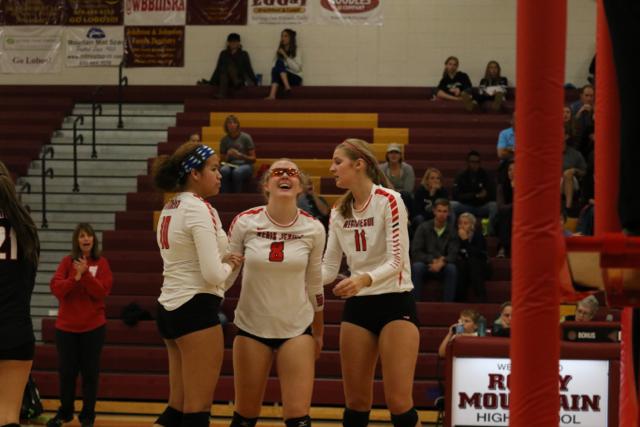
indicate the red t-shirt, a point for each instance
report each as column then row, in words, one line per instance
column 81, row 303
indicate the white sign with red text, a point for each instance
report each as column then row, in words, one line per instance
column 480, row 392
column 349, row 12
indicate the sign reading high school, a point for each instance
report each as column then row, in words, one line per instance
column 480, row 392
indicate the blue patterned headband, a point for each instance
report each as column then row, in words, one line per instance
column 195, row 160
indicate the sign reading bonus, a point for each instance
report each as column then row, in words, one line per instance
column 359, row 12
column 480, row 392
column 282, row 12
column 154, row 46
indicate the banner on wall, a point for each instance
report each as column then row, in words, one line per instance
column 94, row 12
column 147, row 46
column 32, row 12
column 349, row 12
column 220, row 12
column 281, row 12
column 154, row 12
column 30, row 49
column 94, row 46
column 480, row 392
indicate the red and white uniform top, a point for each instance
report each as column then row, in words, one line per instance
column 282, row 273
column 192, row 244
column 375, row 241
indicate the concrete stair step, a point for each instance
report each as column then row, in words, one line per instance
column 105, row 151
column 51, row 266
column 55, row 246
column 132, row 109
column 36, row 182
column 52, row 259
column 51, row 235
column 56, row 186
column 129, row 122
column 74, row 217
column 92, row 167
column 44, row 301
column 85, row 207
column 43, row 286
column 34, row 199
column 133, row 136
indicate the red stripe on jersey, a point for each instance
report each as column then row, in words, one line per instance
column 307, row 214
column 253, row 211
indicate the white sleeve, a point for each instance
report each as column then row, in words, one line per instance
column 295, row 64
column 201, row 223
column 315, row 290
column 236, row 245
column 397, row 237
column 333, row 253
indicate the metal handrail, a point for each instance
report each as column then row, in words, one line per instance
column 95, row 106
column 122, row 82
column 76, row 138
column 46, row 172
column 25, row 187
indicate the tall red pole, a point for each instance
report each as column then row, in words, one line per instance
column 535, row 352
column 607, row 165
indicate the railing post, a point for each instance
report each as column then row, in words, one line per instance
column 122, row 82
column 76, row 138
column 25, row 187
column 95, row 106
column 46, row 172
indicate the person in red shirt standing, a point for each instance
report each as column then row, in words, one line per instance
column 81, row 284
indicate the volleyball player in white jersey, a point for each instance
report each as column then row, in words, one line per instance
column 279, row 313
column 194, row 250
column 369, row 225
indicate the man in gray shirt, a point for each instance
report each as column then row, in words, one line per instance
column 237, row 154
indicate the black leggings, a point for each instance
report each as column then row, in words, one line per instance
column 624, row 25
column 79, row 353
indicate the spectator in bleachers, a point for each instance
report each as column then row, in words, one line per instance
column 194, row 137
column 19, row 253
column 506, row 148
column 574, row 167
column 429, row 190
column 453, row 82
column 473, row 191
column 287, row 70
column 491, row 91
column 586, row 310
column 569, row 124
column 400, row 174
column 472, row 259
column 434, row 251
column 502, row 325
column 466, row 326
column 313, row 203
column 237, row 154
column 582, row 111
column 196, row 262
column 233, row 69
column 587, row 200
column 504, row 217
column 81, row 284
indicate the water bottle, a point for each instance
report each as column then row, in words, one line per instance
column 482, row 326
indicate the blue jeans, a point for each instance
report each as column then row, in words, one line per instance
column 280, row 67
column 448, row 276
column 234, row 178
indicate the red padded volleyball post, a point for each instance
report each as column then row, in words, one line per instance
column 535, row 352
column 607, row 163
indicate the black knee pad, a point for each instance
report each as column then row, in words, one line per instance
column 240, row 421
column 351, row 418
column 195, row 419
column 171, row 417
column 408, row 419
column 298, row 422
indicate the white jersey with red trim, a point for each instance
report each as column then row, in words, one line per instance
column 282, row 276
column 375, row 241
column 192, row 244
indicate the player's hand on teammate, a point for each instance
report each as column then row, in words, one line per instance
column 351, row 285
column 235, row 260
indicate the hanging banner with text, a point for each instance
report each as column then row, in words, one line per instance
column 155, row 12
column 30, row 49
column 220, row 12
column 32, row 12
column 480, row 392
column 280, row 12
column 94, row 46
column 94, row 12
column 349, row 12
column 154, row 46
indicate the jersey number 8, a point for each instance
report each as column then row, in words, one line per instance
column 277, row 252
